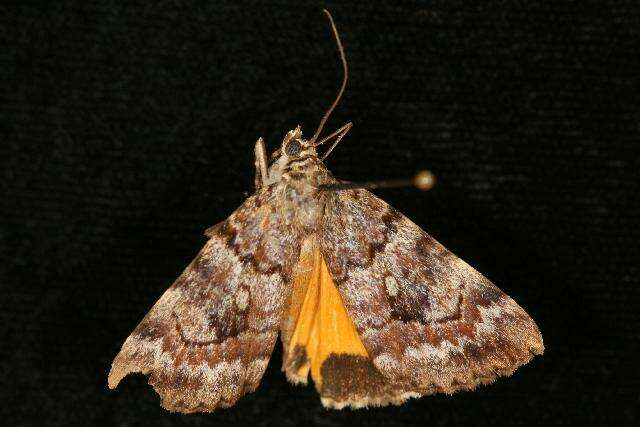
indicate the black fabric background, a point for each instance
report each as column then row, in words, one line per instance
column 127, row 130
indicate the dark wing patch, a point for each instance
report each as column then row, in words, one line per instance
column 354, row 381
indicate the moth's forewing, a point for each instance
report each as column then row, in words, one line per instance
column 208, row 340
column 429, row 322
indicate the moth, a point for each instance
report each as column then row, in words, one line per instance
column 365, row 302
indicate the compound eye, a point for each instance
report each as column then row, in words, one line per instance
column 293, row 148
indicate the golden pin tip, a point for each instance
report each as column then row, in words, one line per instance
column 424, row 180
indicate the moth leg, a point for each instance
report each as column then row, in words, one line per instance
column 261, row 163
column 339, row 134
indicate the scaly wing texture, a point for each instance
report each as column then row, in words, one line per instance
column 429, row 321
column 208, row 340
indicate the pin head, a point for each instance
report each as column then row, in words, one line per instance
column 424, row 180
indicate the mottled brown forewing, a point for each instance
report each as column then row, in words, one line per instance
column 208, row 339
column 430, row 322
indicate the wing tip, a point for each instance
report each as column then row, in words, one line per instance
column 114, row 379
column 180, row 392
column 295, row 379
column 120, row 368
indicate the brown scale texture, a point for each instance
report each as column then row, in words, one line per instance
column 429, row 321
column 208, row 339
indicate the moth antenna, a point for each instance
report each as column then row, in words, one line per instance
column 345, row 70
column 423, row 180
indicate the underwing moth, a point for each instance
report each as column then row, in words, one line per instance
column 365, row 302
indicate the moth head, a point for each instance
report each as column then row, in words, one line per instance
column 293, row 145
